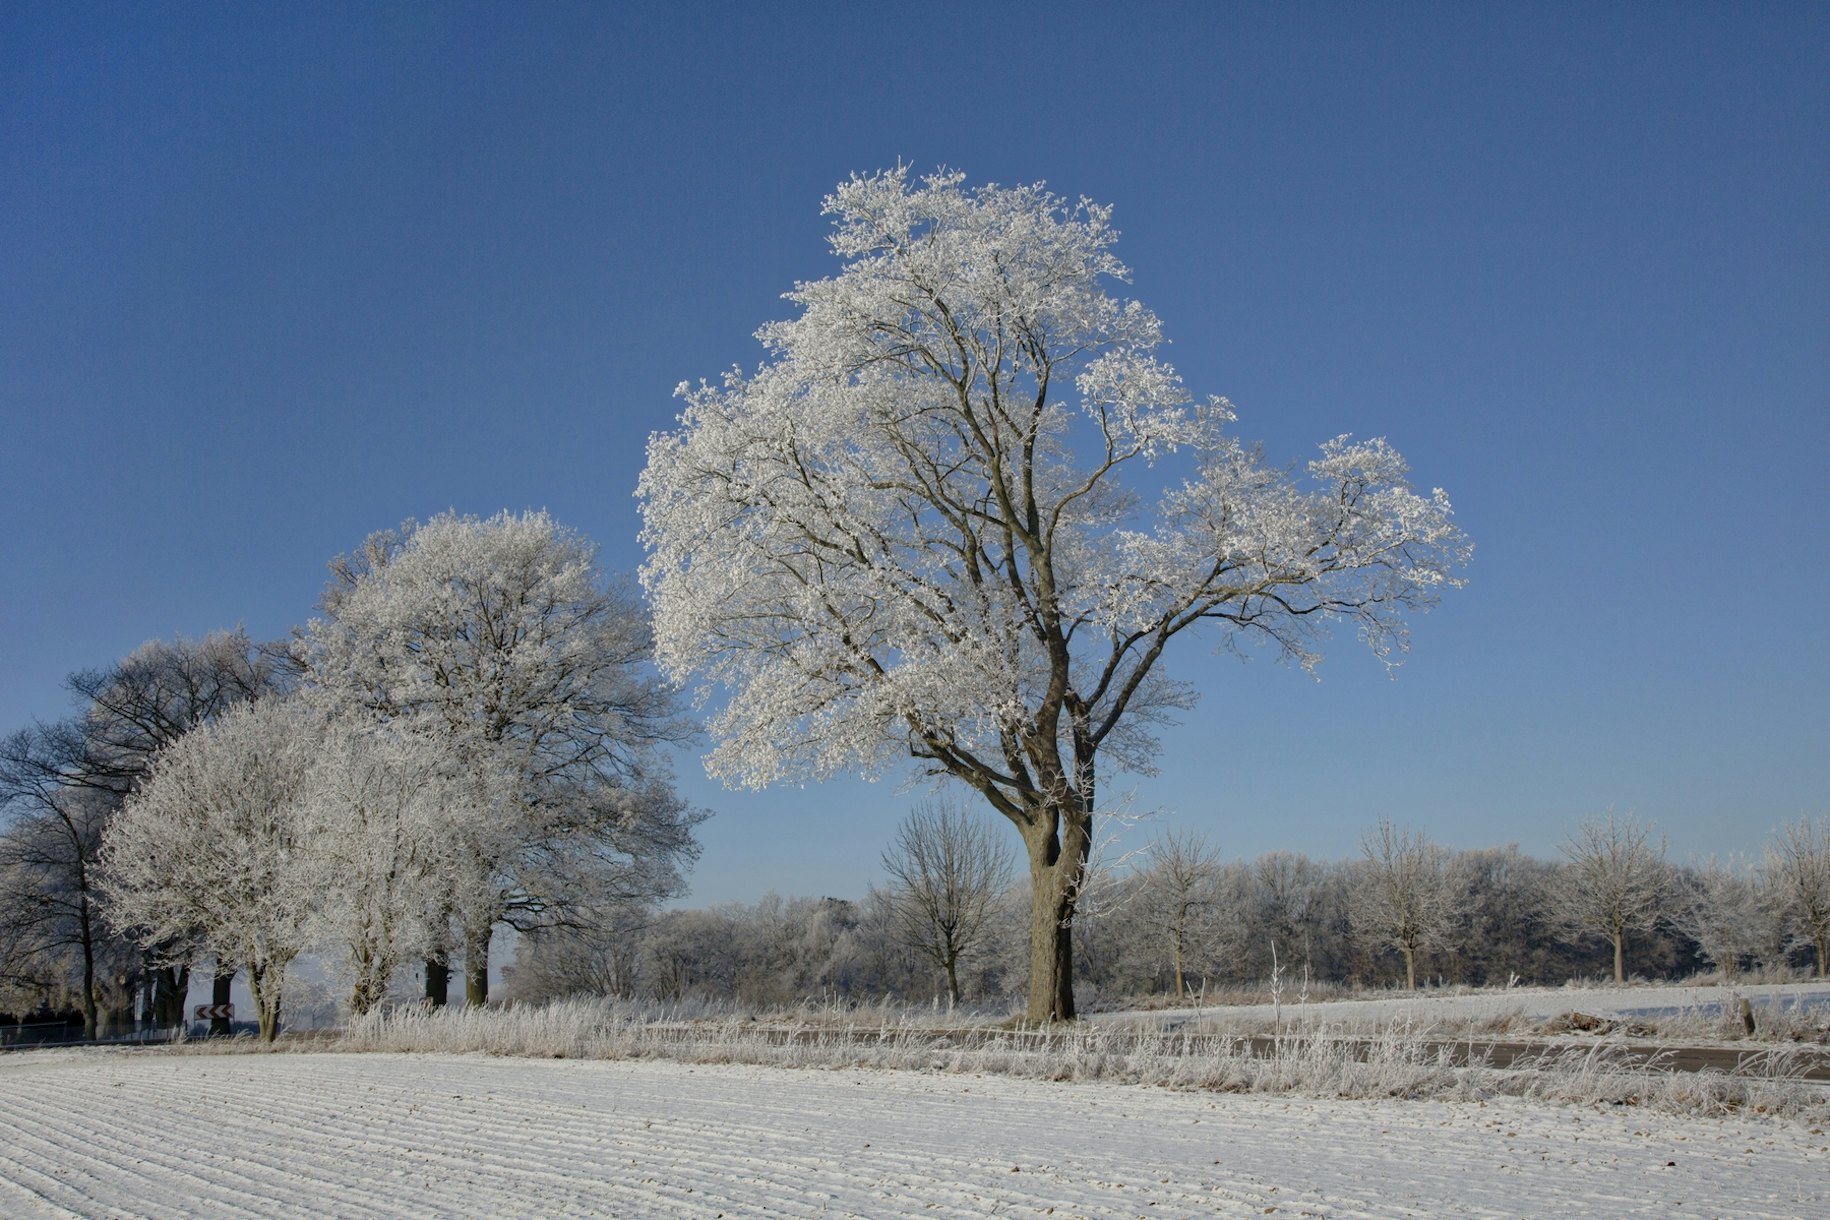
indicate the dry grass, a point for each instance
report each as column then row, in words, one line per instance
column 1308, row 1058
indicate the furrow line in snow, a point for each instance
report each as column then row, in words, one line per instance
column 421, row 1136
column 101, row 1152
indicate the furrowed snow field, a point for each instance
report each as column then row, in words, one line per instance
column 114, row 1134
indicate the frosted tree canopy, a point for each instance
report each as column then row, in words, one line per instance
column 892, row 533
column 918, row 527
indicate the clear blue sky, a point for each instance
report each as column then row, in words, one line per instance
column 273, row 277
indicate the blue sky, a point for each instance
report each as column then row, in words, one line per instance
column 274, row 277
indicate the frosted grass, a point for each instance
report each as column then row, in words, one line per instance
column 1307, row 1059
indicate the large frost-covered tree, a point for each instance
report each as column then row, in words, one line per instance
column 503, row 640
column 143, row 703
column 1720, row 906
column 909, row 532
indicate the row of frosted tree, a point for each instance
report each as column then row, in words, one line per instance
column 1177, row 918
column 467, row 738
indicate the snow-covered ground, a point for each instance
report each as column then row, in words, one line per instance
column 1528, row 1002
column 97, row 1133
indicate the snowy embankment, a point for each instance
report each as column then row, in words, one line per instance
column 1525, row 1003
column 138, row 1134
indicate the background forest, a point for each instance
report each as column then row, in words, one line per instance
column 1478, row 917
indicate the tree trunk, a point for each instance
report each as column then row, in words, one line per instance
column 1823, row 953
column 1410, row 967
column 438, row 982
column 1175, row 955
column 117, row 1018
column 1620, row 955
column 266, row 998
column 370, row 984
column 171, row 988
column 1057, row 869
column 952, row 984
column 220, row 993
column 476, row 967
column 86, row 933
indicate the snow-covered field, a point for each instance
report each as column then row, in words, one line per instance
column 90, row 1133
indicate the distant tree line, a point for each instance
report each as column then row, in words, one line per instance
column 1181, row 919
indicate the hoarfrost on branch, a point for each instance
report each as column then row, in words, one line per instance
column 908, row 532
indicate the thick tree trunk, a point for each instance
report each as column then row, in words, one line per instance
column 1051, row 951
column 1620, row 955
column 1410, row 967
column 267, row 998
column 171, row 988
column 369, row 989
column 476, row 967
column 1057, row 869
column 952, row 983
column 268, row 1014
column 117, row 1018
column 438, row 982
column 220, row 992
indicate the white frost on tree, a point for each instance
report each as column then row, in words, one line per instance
column 946, row 870
column 1616, row 882
column 502, row 641
column 211, row 849
column 1180, row 896
column 1403, row 893
column 387, row 849
column 1797, row 871
column 61, row 783
column 908, row 532
column 1720, row 906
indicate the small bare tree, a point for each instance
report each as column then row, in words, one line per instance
column 946, row 869
column 1404, row 896
column 1797, row 868
column 1180, row 891
column 1617, row 881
